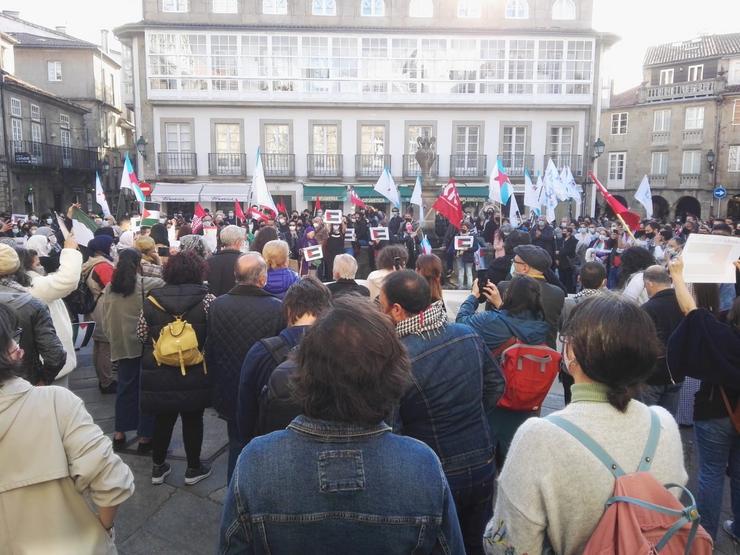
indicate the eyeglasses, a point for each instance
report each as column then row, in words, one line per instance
column 17, row 335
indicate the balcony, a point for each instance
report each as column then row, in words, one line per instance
column 227, row 164
column 470, row 166
column 411, row 167
column 573, row 161
column 324, row 165
column 31, row 154
column 278, row 165
column 658, row 180
column 177, row 163
column 678, row 91
column 659, row 138
column 689, row 180
column 515, row 164
column 368, row 166
column 693, row 136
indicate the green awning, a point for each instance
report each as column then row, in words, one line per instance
column 472, row 193
column 324, row 192
column 371, row 195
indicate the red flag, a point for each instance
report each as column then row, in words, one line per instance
column 355, row 199
column 255, row 214
column 239, row 211
column 630, row 218
column 198, row 215
column 448, row 204
column 281, row 208
column 317, row 205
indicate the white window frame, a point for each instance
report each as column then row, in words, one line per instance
column 563, row 10
column 617, row 168
column 693, row 167
column 469, row 8
column 225, row 6
column 174, row 6
column 733, row 159
column 35, row 112
column 736, row 112
column 694, row 117
column 696, row 73
column 664, row 118
column 275, row 7
column 621, row 119
column 372, row 8
column 516, row 9
column 666, row 77
column 733, row 75
column 16, row 129
column 64, row 121
column 421, row 8
column 16, row 108
column 661, row 157
column 54, row 71
column 36, row 132
column 326, row 8
column 177, row 130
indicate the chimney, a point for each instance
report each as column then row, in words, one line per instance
column 104, row 40
column 12, row 13
column 61, row 29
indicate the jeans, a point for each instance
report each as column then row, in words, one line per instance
column 192, row 435
column 719, row 455
column 472, row 491
column 128, row 415
column 235, row 447
column 503, row 424
column 464, row 271
column 666, row 396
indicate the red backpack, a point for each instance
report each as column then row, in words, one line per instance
column 530, row 371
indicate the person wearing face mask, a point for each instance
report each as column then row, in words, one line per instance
column 221, row 265
column 568, row 260
column 543, row 236
column 333, row 246
column 44, row 242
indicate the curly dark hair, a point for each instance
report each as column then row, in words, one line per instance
column 126, row 272
column 388, row 256
column 8, row 325
column 634, row 259
column 352, row 367
column 185, row 267
column 263, row 236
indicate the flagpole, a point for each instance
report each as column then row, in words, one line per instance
column 619, row 216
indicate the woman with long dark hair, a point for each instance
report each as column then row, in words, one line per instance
column 161, row 241
column 122, row 306
column 430, row 267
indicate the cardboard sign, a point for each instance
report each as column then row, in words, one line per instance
column 350, row 235
column 464, row 242
column 379, row 234
column 313, row 253
column 20, row 218
column 333, row 217
column 710, row 258
column 210, row 236
column 135, row 224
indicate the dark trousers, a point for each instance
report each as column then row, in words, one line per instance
column 472, row 490
column 192, row 435
column 128, row 415
column 567, row 278
column 235, row 447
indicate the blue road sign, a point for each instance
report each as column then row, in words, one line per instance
column 720, row 192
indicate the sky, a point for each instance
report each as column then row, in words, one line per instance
column 638, row 23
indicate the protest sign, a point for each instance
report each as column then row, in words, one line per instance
column 379, row 234
column 463, row 242
column 333, row 217
column 313, row 253
column 710, row 258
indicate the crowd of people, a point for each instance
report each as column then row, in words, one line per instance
column 364, row 415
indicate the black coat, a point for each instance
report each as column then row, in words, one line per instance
column 277, row 406
column 347, row 286
column 221, row 271
column 237, row 321
column 164, row 388
column 664, row 310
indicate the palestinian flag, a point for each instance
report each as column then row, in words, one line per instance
column 83, row 227
column 82, row 333
column 150, row 213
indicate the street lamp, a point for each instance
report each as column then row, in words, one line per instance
column 598, row 149
column 141, row 146
column 105, row 166
column 710, row 159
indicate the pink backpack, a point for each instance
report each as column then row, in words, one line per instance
column 642, row 517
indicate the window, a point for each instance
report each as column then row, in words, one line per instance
column 736, row 113
column 662, row 120
column 696, row 73
column 616, row 167
column 514, row 147
column 178, row 137
column 493, row 66
column 466, row 150
column 413, row 132
column 112, row 89
column 64, row 122
column 54, row 71
column 65, row 137
column 36, row 135
column 375, row 65
column 521, row 66
column 561, row 141
column 733, row 75
column 659, row 163
column 17, row 130
column 315, row 64
column 228, row 138
column 579, row 63
column 325, row 139
column 468, row 8
column 324, row 7
column 275, row 7
column 372, row 8
column 15, row 108
column 517, row 9
column 564, row 9
column 35, row 113
column 277, row 138
column 666, row 76
column 372, row 139
column 421, row 8
column 691, row 162
column 550, row 66
column 225, row 6
column 694, row 118
column 224, row 62
column 619, row 123
column 734, row 159
column 175, row 6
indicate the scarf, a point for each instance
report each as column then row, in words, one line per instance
column 430, row 321
column 586, row 293
column 10, row 283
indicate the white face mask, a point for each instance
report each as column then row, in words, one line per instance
column 512, row 270
column 48, row 221
column 52, row 240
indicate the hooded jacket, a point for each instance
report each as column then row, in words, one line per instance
column 39, row 339
column 51, row 453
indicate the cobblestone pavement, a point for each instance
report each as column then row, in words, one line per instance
column 178, row 519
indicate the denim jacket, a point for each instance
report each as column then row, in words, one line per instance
column 453, row 375
column 331, row 487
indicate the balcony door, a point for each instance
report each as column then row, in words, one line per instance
column 324, row 159
column 514, row 149
column 467, row 149
column 373, row 149
column 228, row 149
column 66, row 140
column 179, row 145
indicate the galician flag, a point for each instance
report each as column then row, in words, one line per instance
column 260, row 195
column 569, row 182
column 416, row 198
column 100, row 196
column 499, row 187
column 129, row 180
column 552, row 180
column 532, row 193
column 645, row 196
column 387, row 187
column 514, row 215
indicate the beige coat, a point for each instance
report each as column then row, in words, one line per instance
column 51, row 452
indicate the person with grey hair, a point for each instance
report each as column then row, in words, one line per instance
column 194, row 243
column 344, row 271
column 221, row 265
column 236, row 321
column 661, row 387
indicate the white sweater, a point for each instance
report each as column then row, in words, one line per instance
column 50, row 290
column 553, row 486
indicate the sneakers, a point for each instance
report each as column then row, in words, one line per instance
column 195, row 475
column 159, row 473
column 727, row 527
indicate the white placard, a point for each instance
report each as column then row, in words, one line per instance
column 314, row 252
column 710, row 258
column 463, row 242
column 379, row 234
column 20, row 218
column 135, row 224
column 333, row 217
column 350, row 235
column 210, row 236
